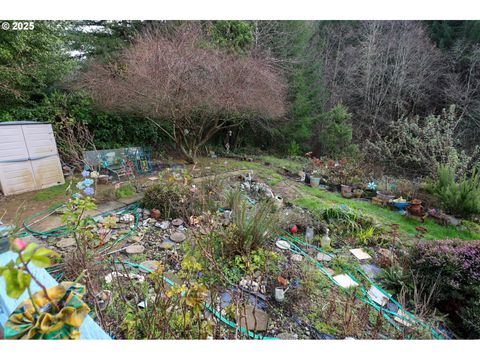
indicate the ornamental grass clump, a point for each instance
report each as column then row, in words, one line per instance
column 252, row 225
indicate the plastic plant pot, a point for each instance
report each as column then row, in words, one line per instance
column 401, row 205
column 314, row 181
column 279, row 294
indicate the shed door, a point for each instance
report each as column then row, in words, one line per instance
column 43, row 154
column 16, row 174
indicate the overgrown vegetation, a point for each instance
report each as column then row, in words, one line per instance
column 458, row 194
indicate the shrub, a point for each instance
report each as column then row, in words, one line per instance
column 454, row 265
column 346, row 220
column 335, row 133
column 170, row 198
column 294, row 149
column 125, row 191
column 418, row 145
column 460, row 197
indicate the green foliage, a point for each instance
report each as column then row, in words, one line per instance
column 125, row 191
column 252, row 227
column 31, row 63
column 460, row 197
column 50, row 193
column 445, row 33
column 365, row 236
column 232, row 34
column 170, row 198
column 334, row 138
column 259, row 259
column 16, row 273
column 419, row 145
column 347, row 220
column 395, row 279
column 62, row 109
column 294, row 149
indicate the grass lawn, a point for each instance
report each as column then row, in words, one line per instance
column 290, row 164
column 318, row 199
column 51, row 192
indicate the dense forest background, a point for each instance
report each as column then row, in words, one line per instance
column 377, row 89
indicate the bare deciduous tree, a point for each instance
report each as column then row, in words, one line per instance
column 382, row 70
column 187, row 88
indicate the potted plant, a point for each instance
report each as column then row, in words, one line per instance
column 315, row 179
column 415, row 208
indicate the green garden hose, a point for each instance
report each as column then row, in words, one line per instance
column 367, row 299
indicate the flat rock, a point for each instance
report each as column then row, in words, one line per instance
column 135, row 249
column 379, row 297
column 252, row 318
column 360, row 254
column 67, row 242
column 177, row 222
column 297, row 257
column 178, row 237
column 345, row 281
column 150, row 264
column 323, row 257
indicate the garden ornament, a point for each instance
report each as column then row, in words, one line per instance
column 26, row 323
column 372, row 185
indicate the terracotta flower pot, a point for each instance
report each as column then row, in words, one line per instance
column 346, row 191
column 416, row 208
column 155, row 213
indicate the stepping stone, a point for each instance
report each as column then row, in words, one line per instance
column 247, row 319
column 67, row 242
column 323, row 257
column 178, row 237
column 297, row 257
column 282, row 244
column 377, row 296
column 150, row 264
column 135, row 249
column 345, row 281
column 177, row 222
column 360, row 254
column 402, row 318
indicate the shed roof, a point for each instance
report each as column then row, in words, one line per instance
column 21, row 122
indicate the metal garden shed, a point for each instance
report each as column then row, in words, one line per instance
column 28, row 157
